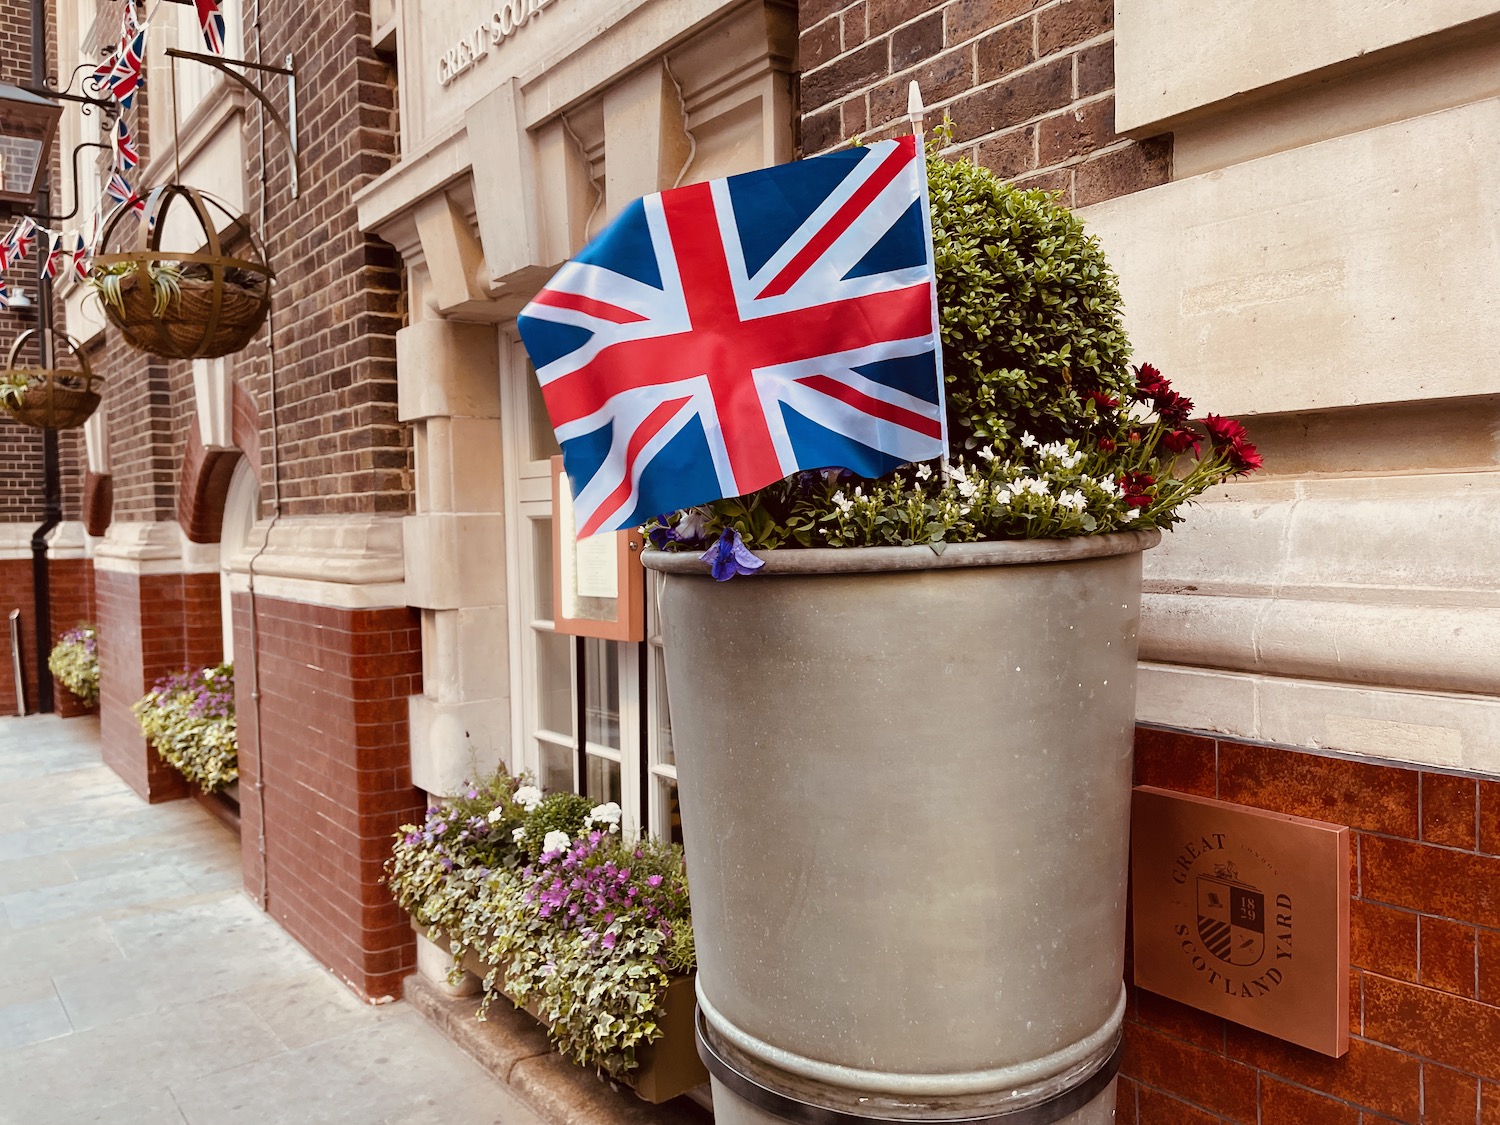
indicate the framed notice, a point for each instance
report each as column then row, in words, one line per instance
column 598, row 583
column 1243, row 913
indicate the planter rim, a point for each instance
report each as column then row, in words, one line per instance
column 871, row 560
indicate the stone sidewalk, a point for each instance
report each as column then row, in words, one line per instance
column 140, row 986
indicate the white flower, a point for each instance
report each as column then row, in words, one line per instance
column 497, row 814
column 987, row 453
column 555, row 841
column 528, row 797
column 690, row 523
column 605, row 814
column 518, row 835
column 923, row 472
column 1028, row 442
column 968, row 489
column 842, row 502
column 1072, row 499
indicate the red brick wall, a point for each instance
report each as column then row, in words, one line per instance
column 1424, row 953
column 150, row 625
column 1027, row 83
column 16, row 593
column 334, row 753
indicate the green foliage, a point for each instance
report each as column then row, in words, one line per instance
column 74, row 660
column 164, row 278
column 1030, row 312
column 557, row 812
column 189, row 718
column 1051, row 432
column 587, row 937
column 435, row 868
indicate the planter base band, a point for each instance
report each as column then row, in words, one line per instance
column 732, row 1074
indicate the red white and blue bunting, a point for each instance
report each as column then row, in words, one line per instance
column 118, row 76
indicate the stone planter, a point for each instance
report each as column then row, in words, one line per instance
column 905, row 782
column 666, row 1068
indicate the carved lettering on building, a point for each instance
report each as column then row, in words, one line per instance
column 1243, row 913
column 474, row 45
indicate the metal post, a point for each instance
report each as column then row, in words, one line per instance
column 51, row 473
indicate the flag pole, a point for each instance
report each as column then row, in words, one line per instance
column 915, row 112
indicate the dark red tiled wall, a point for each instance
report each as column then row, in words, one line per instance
column 150, row 625
column 1424, row 953
column 335, row 754
column 72, row 601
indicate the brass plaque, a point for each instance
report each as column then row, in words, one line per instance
column 1243, row 913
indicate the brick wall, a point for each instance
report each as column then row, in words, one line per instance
column 333, row 751
column 150, row 625
column 1028, row 85
column 1424, row 953
column 71, row 585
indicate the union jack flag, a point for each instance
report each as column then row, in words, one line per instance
column 80, row 257
column 54, row 256
column 126, row 154
column 129, row 75
column 718, row 337
column 120, row 191
column 99, row 77
column 211, row 20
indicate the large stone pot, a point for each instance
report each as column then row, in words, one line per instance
column 905, row 784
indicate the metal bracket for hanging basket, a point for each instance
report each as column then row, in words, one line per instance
column 54, row 398
column 287, row 125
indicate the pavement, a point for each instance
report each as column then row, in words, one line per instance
column 139, row 985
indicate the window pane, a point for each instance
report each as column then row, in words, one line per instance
column 602, row 660
column 668, row 815
column 604, row 779
column 543, row 440
column 554, row 681
column 557, row 768
column 541, row 550
column 665, row 755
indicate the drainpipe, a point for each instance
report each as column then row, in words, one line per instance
column 52, row 483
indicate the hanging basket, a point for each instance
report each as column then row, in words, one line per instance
column 180, row 305
column 49, row 398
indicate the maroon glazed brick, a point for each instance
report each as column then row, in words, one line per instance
column 1448, row 958
column 1369, row 796
column 1450, row 810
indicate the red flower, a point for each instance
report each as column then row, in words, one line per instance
column 1229, row 437
column 1137, row 489
column 1106, row 445
column 1152, row 387
column 1180, row 441
column 1104, row 401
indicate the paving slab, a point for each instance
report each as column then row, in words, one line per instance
column 140, row 986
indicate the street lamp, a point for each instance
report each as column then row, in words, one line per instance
column 28, row 123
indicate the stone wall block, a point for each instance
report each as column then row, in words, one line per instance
column 454, row 560
column 447, row 369
column 452, row 743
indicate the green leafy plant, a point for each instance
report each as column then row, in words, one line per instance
column 189, row 718
column 164, row 278
column 74, row 660
column 1052, row 432
column 578, row 925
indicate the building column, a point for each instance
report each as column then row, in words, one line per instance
column 323, row 634
column 157, row 601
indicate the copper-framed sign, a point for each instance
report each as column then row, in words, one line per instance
column 598, row 583
column 1243, row 913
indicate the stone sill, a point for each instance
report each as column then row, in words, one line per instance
column 514, row 1048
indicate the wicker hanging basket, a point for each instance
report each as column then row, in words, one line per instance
column 204, row 305
column 53, row 398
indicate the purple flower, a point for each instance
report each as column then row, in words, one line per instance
column 653, row 881
column 729, row 556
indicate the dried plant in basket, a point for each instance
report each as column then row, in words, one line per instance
column 48, row 398
column 178, row 304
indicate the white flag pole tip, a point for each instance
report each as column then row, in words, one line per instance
column 914, row 107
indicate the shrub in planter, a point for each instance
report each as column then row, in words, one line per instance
column 584, row 929
column 189, row 718
column 74, row 661
column 1053, row 433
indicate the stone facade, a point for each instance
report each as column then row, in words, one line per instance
column 1292, row 196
